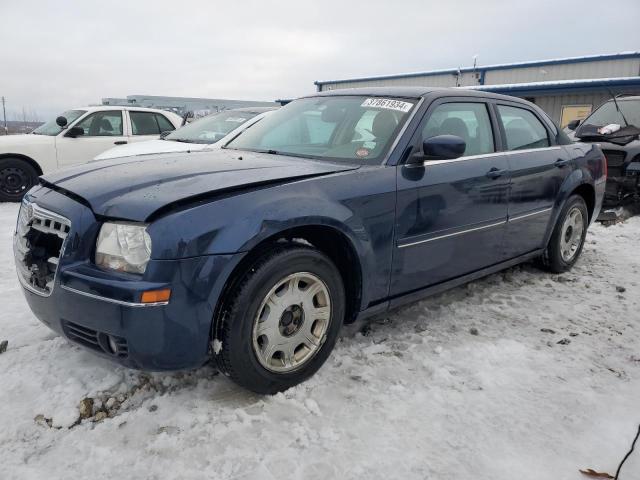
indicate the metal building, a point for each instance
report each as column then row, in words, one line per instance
column 181, row 105
column 566, row 88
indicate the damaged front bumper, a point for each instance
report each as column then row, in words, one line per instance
column 100, row 309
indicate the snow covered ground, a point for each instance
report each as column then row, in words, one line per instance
column 465, row 385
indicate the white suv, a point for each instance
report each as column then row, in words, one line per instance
column 76, row 136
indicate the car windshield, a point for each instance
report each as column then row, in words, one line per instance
column 608, row 113
column 52, row 128
column 349, row 128
column 211, row 128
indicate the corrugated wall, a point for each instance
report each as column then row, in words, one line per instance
column 629, row 67
column 565, row 71
column 444, row 80
column 552, row 104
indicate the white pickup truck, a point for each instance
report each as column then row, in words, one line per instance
column 76, row 136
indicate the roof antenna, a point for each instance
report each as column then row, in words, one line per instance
column 615, row 100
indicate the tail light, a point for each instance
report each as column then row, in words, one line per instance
column 605, row 165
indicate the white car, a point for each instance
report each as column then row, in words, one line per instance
column 206, row 132
column 76, row 136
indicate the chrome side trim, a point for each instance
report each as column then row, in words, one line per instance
column 426, row 163
column 113, row 300
column 527, row 215
column 462, row 232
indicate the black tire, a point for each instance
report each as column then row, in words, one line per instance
column 552, row 258
column 16, row 178
column 236, row 356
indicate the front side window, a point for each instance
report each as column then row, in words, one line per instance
column 469, row 121
column 350, row 128
column 102, row 124
column 52, row 128
column 522, row 129
column 211, row 128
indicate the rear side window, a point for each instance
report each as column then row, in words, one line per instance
column 522, row 129
column 164, row 124
column 144, row 123
column 469, row 121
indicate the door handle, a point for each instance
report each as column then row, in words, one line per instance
column 120, row 142
column 561, row 162
column 495, row 173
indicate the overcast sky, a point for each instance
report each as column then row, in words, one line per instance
column 58, row 54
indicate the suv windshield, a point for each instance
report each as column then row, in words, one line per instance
column 352, row 128
column 211, row 128
column 608, row 113
column 52, row 128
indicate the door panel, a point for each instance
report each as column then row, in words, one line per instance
column 538, row 170
column 535, row 183
column 451, row 214
column 450, row 221
column 103, row 130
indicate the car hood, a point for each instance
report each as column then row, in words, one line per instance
column 150, row 147
column 134, row 189
column 12, row 141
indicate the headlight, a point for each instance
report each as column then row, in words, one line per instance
column 123, row 246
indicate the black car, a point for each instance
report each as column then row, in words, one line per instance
column 622, row 147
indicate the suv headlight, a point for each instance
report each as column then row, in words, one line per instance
column 123, row 246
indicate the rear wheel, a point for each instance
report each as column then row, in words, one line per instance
column 567, row 240
column 16, row 177
column 282, row 320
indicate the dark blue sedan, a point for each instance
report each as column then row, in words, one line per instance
column 337, row 207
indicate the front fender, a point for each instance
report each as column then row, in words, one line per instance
column 361, row 209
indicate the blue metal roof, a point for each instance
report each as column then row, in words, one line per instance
column 481, row 69
column 560, row 86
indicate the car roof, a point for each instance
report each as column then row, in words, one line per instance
column 100, row 108
column 415, row 92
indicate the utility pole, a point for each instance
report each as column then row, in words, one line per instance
column 4, row 116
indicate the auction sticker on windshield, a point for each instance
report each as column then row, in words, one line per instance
column 388, row 104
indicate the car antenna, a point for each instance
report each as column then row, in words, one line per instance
column 615, row 100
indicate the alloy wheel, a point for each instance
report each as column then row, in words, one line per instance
column 292, row 322
column 572, row 234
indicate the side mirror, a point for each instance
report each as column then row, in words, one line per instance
column 75, row 132
column 440, row 147
column 573, row 124
column 165, row 133
column 61, row 121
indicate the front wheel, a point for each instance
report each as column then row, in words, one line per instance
column 282, row 320
column 16, row 178
column 567, row 240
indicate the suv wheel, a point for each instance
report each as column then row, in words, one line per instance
column 567, row 240
column 282, row 320
column 16, row 177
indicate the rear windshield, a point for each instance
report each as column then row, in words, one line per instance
column 608, row 113
column 350, row 128
column 211, row 128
